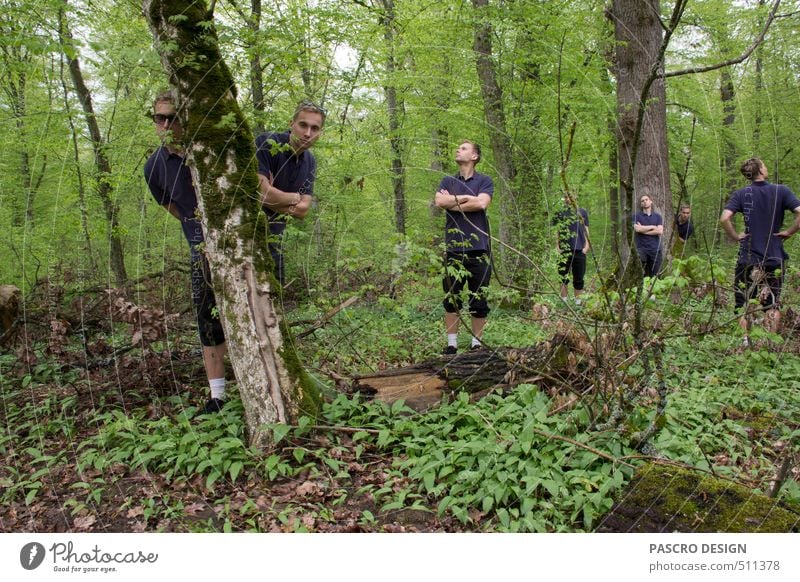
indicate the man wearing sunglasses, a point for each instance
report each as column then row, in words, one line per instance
column 286, row 174
column 170, row 182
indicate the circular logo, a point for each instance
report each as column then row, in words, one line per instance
column 31, row 555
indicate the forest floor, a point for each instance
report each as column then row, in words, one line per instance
column 83, row 429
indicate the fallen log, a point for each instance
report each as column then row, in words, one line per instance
column 477, row 372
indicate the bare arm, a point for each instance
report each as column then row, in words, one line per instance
column 727, row 226
column 282, row 202
column 784, row 234
column 586, row 246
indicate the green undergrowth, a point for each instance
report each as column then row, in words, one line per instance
column 497, row 464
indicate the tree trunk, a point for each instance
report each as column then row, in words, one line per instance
column 256, row 74
column 501, row 146
column 102, row 163
column 87, row 240
column 395, row 108
column 273, row 385
column 643, row 157
column 727, row 95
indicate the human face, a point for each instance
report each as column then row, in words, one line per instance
column 684, row 214
column 305, row 130
column 168, row 125
column 466, row 153
column 645, row 203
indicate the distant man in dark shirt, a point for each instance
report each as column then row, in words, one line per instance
column 648, row 227
column 761, row 259
column 286, row 174
column 572, row 242
column 170, row 182
column 465, row 197
column 683, row 229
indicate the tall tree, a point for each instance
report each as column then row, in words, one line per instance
column 643, row 156
column 102, row 162
column 273, row 385
column 495, row 118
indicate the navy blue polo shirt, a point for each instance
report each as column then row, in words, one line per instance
column 648, row 242
column 170, row 181
column 762, row 205
column 467, row 231
column 684, row 230
column 289, row 173
column 571, row 231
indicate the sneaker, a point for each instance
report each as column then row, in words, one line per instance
column 450, row 351
column 475, row 348
column 213, row 405
column 746, row 342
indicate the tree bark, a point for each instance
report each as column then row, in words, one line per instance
column 273, row 385
column 102, row 163
column 643, row 155
column 395, row 108
column 511, row 220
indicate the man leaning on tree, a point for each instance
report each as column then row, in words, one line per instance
column 286, row 174
column 170, row 182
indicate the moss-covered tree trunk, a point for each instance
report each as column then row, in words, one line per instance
column 221, row 150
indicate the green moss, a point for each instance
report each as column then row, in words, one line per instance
column 691, row 501
column 307, row 392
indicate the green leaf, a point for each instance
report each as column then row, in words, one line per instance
column 235, row 469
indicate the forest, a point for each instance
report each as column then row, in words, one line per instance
column 637, row 407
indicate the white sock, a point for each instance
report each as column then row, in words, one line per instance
column 475, row 342
column 217, row 388
column 452, row 339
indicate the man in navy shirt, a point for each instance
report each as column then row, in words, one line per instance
column 761, row 257
column 572, row 242
column 286, row 174
column 648, row 227
column 170, row 182
column 683, row 229
column 465, row 197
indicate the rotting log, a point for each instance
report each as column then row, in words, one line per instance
column 423, row 385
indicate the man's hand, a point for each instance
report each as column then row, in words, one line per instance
column 784, row 234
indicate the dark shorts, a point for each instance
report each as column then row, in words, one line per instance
column 574, row 262
column 651, row 261
column 205, row 304
column 762, row 281
column 472, row 269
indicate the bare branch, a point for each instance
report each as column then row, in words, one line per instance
column 759, row 39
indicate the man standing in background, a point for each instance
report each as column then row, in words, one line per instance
column 683, row 229
column 648, row 227
column 572, row 242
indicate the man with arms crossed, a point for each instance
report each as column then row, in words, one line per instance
column 286, row 174
column 648, row 227
column 761, row 259
column 465, row 197
column 170, row 182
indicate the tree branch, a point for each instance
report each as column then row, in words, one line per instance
column 759, row 39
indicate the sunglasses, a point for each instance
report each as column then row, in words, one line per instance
column 160, row 118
